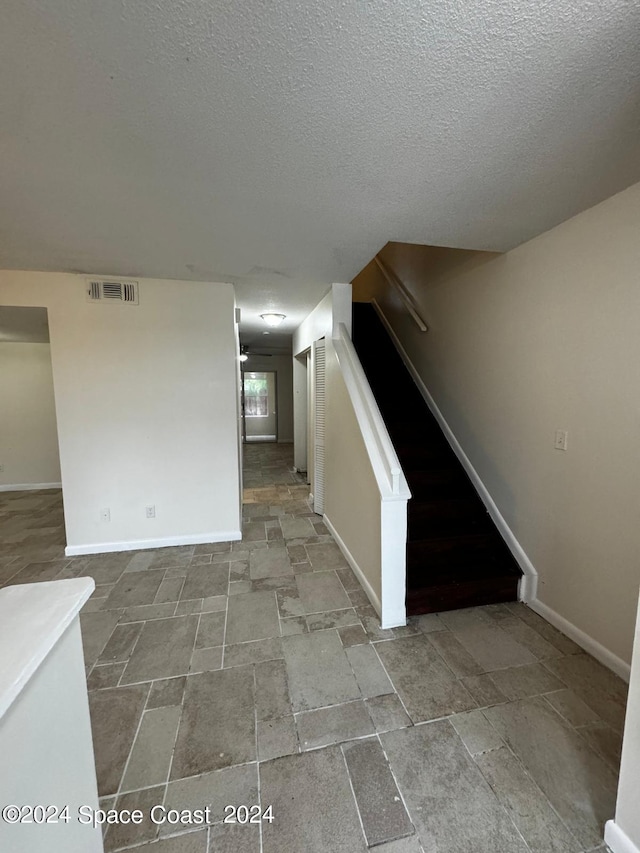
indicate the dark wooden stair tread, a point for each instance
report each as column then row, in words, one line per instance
column 452, row 552
column 433, row 519
column 455, row 555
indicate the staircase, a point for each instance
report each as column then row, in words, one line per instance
column 455, row 555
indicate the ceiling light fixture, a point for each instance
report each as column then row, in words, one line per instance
column 273, row 319
column 244, row 355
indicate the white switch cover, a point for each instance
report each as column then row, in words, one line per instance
column 105, row 514
column 562, row 437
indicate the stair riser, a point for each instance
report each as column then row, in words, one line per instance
column 454, row 596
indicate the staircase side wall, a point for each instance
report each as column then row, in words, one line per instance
column 540, row 339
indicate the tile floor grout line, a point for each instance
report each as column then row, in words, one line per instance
column 400, row 792
column 353, row 794
column 137, row 640
column 525, row 770
column 142, row 846
column 348, row 740
column 255, row 723
column 444, row 661
column 395, row 689
column 175, row 741
column 472, row 758
column 95, row 663
column 195, row 644
column 335, row 704
column 133, row 742
column 184, row 778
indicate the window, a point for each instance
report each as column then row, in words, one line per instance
column 256, row 395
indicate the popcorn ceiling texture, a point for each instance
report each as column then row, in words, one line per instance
column 284, row 143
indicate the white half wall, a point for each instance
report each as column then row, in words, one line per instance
column 29, row 452
column 352, row 497
column 146, row 407
column 520, row 345
column 365, row 515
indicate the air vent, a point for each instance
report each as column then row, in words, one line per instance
column 112, row 291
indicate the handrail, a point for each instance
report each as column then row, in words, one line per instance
column 407, row 298
column 383, row 456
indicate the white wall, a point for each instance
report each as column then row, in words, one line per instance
column 28, row 433
column 542, row 338
column 334, row 308
column 147, row 407
column 318, row 324
column 300, row 407
column 623, row 835
column 45, row 739
column 282, row 365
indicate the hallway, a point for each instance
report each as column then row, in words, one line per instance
column 254, row 673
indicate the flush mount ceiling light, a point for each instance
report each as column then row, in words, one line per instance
column 244, row 355
column 273, row 319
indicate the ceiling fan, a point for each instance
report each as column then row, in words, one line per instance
column 245, row 352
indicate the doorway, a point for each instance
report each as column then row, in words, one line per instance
column 30, row 459
column 259, row 408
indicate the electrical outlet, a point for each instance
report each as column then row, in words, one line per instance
column 150, row 511
column 562, row 437
column 105, row 514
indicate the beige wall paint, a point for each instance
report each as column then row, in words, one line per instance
column 147, row 407
column 544, row 337
column 352, row 497
column 28, row 433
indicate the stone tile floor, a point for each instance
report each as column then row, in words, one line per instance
column 255, row 673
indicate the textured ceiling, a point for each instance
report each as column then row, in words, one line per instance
column 279, row 145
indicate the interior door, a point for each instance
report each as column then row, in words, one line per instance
column 260, row 411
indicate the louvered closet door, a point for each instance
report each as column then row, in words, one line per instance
column 319, row 400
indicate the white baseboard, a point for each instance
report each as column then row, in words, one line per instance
column 596, row 649
column 371, row 595
column 29, row 487
column 144, row 544
column 618, row 840
column 528, row 586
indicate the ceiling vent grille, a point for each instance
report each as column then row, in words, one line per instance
column 112, row 290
